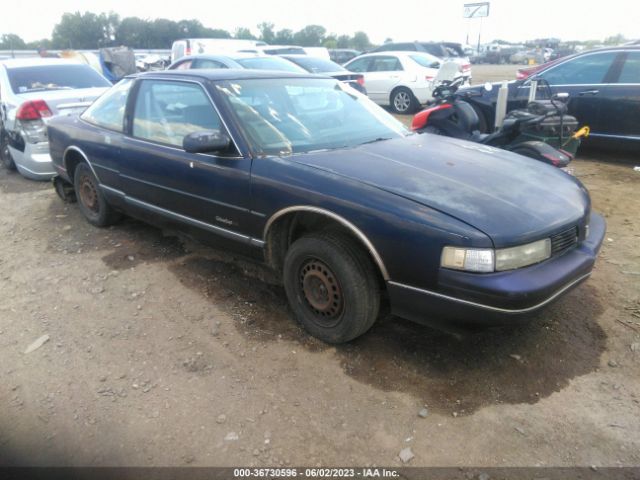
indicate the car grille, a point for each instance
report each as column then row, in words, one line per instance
column 563, row 241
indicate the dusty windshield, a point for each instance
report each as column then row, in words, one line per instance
column 282, row 116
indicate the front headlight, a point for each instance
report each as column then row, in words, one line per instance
column 469, row 259
column 487, row 260
column 523, row 255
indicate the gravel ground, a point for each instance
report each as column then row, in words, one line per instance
column 158, row 351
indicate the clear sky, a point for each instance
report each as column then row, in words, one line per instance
column 513, row 20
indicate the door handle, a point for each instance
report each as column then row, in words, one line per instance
column 589, row 92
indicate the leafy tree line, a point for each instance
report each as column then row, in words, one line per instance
column 90, row 30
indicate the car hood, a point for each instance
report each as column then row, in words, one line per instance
column 511, row 198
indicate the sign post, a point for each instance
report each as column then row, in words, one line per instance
column 476, row 10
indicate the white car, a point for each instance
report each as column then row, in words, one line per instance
column 401, row 80
column 32, row 91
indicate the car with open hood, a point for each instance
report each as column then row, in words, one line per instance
column 334, row 194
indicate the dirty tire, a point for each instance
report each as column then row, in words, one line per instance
column 403, row 101
column 91, row 200
column 332, row 287
column 5, row 154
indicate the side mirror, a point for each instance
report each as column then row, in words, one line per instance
column 206, row 141
column 488, row 86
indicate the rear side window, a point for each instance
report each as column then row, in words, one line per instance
column 54, row 77
column 165, row 112
column 631, row 69
column 584, row 70
column 359, row 65
column 108, row 110
column 426, row 60
column 385, row 64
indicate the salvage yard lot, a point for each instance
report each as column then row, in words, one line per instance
column 164, row 352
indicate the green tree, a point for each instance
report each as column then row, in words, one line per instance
column 344, row 41
column 360, row 41
column 267, row 34
column 243, row 33
column 11, row 41
column 310, row 36
column 216, row 33
column 284, row 37
column 330, row 42
column 85, row 30
column 133, row 32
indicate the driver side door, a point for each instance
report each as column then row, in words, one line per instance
column 209, row 191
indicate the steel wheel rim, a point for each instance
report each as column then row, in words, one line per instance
column 402, row 101
column 321, row 291
column 89, row 194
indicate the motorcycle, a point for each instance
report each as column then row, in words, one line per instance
column 542, row 131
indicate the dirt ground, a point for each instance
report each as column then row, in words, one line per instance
column 163, row 352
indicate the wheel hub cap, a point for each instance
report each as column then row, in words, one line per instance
column 321, row 289
column 88, row 194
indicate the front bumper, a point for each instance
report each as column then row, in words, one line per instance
column 495, row 297
column 34, row 162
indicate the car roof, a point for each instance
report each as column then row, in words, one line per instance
column 391, row 53
column 224, row 74
column 38, row 61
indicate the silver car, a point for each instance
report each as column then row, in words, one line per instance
column 32, row 91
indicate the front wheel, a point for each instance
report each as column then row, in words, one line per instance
column 332, row 287
column 91, row 201
column 403, row 101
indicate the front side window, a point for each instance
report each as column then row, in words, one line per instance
column 166, row 111
column 108, row 110
column 585, row 70
column 631, row 69
column 281, row 116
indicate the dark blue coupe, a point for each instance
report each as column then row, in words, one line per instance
column 333, row 193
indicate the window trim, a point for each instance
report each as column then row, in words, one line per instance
column 131, row 113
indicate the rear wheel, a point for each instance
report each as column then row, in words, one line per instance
column 91, row 200
column 403, row 101
column 5, row 154
column 332, row 287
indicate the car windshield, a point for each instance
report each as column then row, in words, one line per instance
column 425, row 60
column 317, row 65
column 283, row 116
column 269, row 63
column 54, row 77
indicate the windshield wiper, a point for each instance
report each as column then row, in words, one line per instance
column 379, row 139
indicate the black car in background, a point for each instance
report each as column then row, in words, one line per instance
column 342, row 55
column 327, row 67
column 603, row 87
